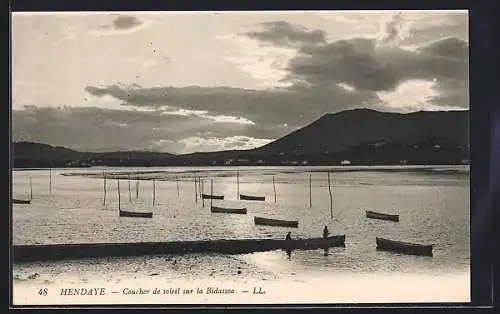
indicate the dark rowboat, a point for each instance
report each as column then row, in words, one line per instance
column 375, row 215
column 276, row 222
column 52, row 252
column 252, row 198
column 215, row 209
column 214, row 197
column 124, row 213
column 404, row 247
column 16, row 201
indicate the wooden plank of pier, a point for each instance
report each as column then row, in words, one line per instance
column 53, row 252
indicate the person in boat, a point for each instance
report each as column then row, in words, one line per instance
column 288, row 251
column 326, row 233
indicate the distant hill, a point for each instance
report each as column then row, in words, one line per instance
column 362, row 136
column 334, row 133
column 27, row 154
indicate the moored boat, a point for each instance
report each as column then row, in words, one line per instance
column 382, row 216
column 17, row 201
column 213, row 197
column 276, row 222
column 124, row 213
column 52, row 252
column 222, row 210
column 252, row 198
column 404, row 247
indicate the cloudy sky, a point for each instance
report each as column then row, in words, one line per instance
column 191, row 81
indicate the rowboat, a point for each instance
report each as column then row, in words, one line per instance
column 404, row 247
column 375, row 215
column 252, row 198
column 124, row 213
column 213, row 197
column 275, row 222
column 215, row 209
column 53, row 252
column 16, row 201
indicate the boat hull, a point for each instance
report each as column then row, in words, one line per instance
column 404, row 247
column 382, row 216
column 16, row 201
column 275, row 222
column 124, row 213
column 221, row 210
column 213, row 197
column 37, row 253
column 252, row 198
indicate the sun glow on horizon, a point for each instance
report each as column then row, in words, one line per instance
column 412, row 95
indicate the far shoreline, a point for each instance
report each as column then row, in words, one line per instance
column 453, row 168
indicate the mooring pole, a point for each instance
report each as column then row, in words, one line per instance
column 331, row 199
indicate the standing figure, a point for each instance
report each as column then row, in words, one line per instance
column 325, row 232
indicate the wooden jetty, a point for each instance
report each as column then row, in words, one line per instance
column 212, row 197
column 382, row 216
column 404, row 247
column 252, row 198
column 53, row 252
column 223, row 210
column 276, row 222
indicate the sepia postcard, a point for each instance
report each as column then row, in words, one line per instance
column 263, row 157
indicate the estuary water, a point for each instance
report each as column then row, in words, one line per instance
column 433, row 204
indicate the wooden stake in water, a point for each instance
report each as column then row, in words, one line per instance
column 274, row 188
column 50, row 180
column 104, row 188
column 31, row 190
column 119, row 196
column 177, row 184
column 129, row 190
column 237, row 184
column 331, row 199
column 137, row 188
column 199, row 187
column 154, row 191
column 310, row 191
column 202, row 198
column 195, row 188
column 211, row 191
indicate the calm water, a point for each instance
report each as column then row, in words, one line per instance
column 433, row 204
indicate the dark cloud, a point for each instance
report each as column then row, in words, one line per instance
column 294, row 106
column 282, row 33
column 449, row 47
column 360, row 63
column 371, row 65
column 126, row 22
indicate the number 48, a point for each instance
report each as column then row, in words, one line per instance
column 43, row 291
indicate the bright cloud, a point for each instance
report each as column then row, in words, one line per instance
column 228, row 143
